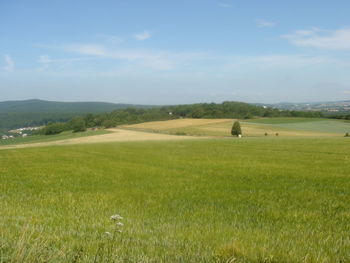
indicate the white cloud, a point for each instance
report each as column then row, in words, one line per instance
column 9, row 63
column 324, row 39
column 264, row 23
column 224, row 5
column 143, row 36
column 45, row 61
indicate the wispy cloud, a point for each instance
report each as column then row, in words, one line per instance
column 143, row 35
column 45, row 61
column 167, row 60
column 264, row 23
column 324, row 39
column 161, row 60
column 87, row 49
column 224, row 5
column 9, row 63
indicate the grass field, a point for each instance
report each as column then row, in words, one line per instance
column 308, row 124
column 285, row 127
column 284, row 120
column 48, row 138
column 218, row 200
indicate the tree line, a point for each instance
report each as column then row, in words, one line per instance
column 228, row 109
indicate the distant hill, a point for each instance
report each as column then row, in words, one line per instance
column 14, row 114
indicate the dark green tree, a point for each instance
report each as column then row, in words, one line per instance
column 53, row 128
column 109, row 123
column 77, row 124
column 236, row 129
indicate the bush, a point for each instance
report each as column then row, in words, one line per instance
column 109, row 124
column 53, row 128
column 236, row 129
column 347, row 135
column 180, row 133
column 77, row 124
column 266, row 133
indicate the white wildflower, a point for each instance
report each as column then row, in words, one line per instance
column 116, row 217
column 120, row 224
column 108, row 233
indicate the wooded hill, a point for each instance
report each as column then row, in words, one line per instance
column 15, row 114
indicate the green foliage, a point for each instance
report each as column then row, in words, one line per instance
column 77, row 124
column 108, row 123
column 180, row 133
column 236, row 129
column 256, row 200
column 54, row 128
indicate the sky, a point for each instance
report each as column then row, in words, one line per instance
column 175, row 52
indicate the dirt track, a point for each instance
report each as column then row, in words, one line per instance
column 116, row 135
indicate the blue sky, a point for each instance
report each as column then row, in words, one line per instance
column 173, row 52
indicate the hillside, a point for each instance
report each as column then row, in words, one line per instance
column 14, row 114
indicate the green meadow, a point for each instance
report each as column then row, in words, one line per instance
column 215, row 200
column 307, row 124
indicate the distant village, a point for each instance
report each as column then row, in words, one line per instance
column 20, row 132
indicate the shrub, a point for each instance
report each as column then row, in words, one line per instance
column 77, row 124
column 54, row 128
column 236, row 129
column 109, row 124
